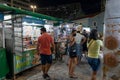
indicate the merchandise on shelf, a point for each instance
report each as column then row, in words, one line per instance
column 30, row 36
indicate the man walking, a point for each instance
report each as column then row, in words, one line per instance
column 45, row 42
column 80, row 39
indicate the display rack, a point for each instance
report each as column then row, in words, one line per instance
column 61, row 33
column 24, row 45
column 19, row 55
column 19, row 44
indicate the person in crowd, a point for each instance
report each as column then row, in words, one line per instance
column 94, row 45
column 67, row 50
column 62, row 50
column 45, row 41
column 84, row 45
column 67, row 44
column 72, row 54
column 79, row 39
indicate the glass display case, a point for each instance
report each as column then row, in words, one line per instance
column 25, row 42
column 21, row 41
column 30, row 36
column 25, row 35
column 26, row 38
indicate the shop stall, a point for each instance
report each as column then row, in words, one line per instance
column 61, row 33
column 25, row 31
column 3, row 61
column 22, row 29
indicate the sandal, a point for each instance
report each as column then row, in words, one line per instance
column 73, row 76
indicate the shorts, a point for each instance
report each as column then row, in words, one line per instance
column 94, row 63
column 72, row 55
column 72, row 51
column 46, row 59
column 85, row 47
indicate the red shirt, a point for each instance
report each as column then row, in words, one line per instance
column 44, row 42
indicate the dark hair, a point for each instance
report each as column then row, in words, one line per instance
column 93, row 34
column 84, row 30
column 78, row 31
column 73, row 30
column 43, row 29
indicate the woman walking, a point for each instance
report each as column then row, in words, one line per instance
column 94, row 45
column 73, row 55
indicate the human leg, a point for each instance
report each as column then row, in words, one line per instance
column 73, row 65
column 93, row 77
column 74, row 62
column 48, row 63
column 43, row 69
column 70, row 65
column 43, row 62
column 78, row 53
column 47, row 67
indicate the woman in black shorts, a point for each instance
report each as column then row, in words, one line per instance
column 72, row 55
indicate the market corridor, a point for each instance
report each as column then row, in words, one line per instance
column 59, row 71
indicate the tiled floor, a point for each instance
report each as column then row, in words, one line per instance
column 59, row 71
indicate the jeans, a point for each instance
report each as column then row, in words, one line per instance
column 79, row 50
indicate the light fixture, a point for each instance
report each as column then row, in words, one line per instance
column 33, row 7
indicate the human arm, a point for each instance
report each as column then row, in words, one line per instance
column 101, row 45
column 72, row 40
column 53, row 45
column 83, row 39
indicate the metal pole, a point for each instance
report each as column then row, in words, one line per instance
column 12, row 3
column 3, row 32
column 33, row 9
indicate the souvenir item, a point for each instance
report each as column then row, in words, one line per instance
column 110, row 60
column 111, row 42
